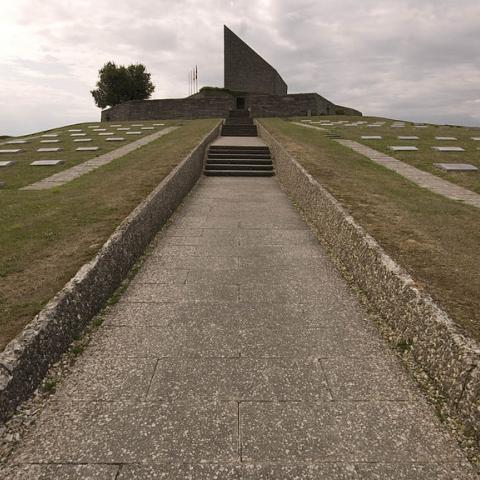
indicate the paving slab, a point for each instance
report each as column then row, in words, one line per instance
column 237, row 352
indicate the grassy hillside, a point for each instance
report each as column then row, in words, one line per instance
column 47, row 235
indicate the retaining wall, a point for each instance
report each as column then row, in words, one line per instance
column 26, row 359
column 438, row 346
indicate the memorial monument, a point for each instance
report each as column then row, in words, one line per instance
column 250, row 82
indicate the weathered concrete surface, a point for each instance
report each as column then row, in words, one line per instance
column 237, row 352
column 70, row 174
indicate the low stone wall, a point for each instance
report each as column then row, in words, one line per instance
column 438, row 346
column 170, row 108
column 26, row 359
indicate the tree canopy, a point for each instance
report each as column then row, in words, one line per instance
column 118, row 84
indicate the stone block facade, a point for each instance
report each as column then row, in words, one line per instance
column 247, row 71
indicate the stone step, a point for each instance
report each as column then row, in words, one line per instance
column 238, row 173
column 239, row 134
column 238, row 161
column 243, row 166
column 239, row 154
column 239, row 121
column 249, row 148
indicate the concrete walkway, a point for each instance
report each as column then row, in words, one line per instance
column 237, row 352
column 70, row 174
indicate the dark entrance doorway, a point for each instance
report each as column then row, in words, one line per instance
column 240, row 103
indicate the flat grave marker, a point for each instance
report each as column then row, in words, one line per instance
column 7, row 163
column 56, row 149
column 123, row 128
column 105, row 133
column 75, row 130
column 448, row 149
column 476, row 139
column 371, row 137
column 137, row 124
column 456, row 167
column 147, row 128
column 49, row 141
column 400, row 148
column 158, row 124
column 78, row 135
column 16, row 142
column 46, row 163
column 94, row 126
column 11, row 150
column 115, row 139
column 86, row 149
column 446, row 138
column 83, row 140
column 114, row 126
column 134, row 133
column 99, row 129
column 412, row 137
column 420, row 126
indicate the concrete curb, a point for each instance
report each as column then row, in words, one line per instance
column 26, row 359
column 438, row 346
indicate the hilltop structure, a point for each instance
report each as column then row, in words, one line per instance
column 250, row 82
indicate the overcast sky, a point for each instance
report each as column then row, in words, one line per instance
column 410, row 59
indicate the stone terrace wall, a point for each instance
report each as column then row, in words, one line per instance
column 247, row 71
column 187, row 108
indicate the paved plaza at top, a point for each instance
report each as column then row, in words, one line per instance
column 237, row 351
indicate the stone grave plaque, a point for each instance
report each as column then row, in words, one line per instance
column 75, row 130
column 456, row 167
column 158, row 124
column 151, row 128
column 371, row 137
column 78, row 135
column 50, row 135
column 94, row 126
column 134, row 133
column 56, row 149
column 115, row 126
column 137, row 124
column 123, row 128
column 49, row 141
column 408, row 138
column 99, row 129
column 105, row 133
column 46, row 163
column 115, row 139
column 86, row 149
column 448, row 149
column 11, row 150
column 7, row 163
column 16, row 142
column 399, row 148
column 420, row 126
column 446, row 138
column 83, row 140
column 476, row 139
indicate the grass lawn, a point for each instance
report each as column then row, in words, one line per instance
column 47, row 235
column 437, row 240
column 426, row 156
column 22, row 173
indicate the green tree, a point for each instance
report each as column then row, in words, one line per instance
column 118, row 84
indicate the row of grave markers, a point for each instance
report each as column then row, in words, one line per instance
column 74, row 132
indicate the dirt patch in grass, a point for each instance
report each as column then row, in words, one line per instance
column 47, row 235
column 437, row 240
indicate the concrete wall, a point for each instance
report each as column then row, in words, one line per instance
column 247, row 71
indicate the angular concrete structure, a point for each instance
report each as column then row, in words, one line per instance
column 245, row 70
